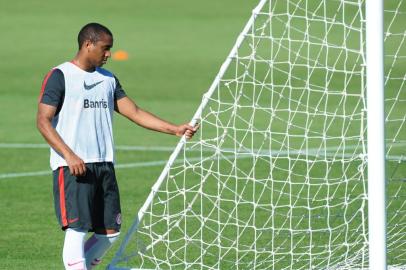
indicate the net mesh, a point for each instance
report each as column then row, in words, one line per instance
column 395, row 106
column 276, row 177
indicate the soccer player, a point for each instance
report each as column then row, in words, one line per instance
column 74, row 116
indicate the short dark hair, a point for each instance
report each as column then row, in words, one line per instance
column 92, row 32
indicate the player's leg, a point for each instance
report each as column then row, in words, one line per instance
column 98, row 245
column 107, row 215
column 73, row 204
column 73, row 251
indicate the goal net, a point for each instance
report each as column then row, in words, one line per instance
column 277, row 178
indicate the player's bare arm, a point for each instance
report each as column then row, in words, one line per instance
column 127, row 108
column 44, row 119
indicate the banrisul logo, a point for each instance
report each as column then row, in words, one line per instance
column 94, row 104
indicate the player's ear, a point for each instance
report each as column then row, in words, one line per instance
column 87, row 44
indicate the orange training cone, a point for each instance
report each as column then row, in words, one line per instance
column 120, row 55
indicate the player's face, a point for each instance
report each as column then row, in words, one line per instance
column 99, row 52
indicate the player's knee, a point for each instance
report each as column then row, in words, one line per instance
column 106, row 240
column 110, row 236
column 106, row 231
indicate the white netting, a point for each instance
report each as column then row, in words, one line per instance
column 395, row 103
column 276, row 177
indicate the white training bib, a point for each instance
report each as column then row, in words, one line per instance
column 85, row 121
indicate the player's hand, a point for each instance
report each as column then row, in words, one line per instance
column 76, row 165
column 186, row 130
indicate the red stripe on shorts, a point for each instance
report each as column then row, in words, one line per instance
column 44, row 83
column 61, row 184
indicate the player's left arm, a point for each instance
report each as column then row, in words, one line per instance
column 127, row 107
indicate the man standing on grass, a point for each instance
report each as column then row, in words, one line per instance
column 75, row 114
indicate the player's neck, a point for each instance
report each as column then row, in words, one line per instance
column 81, row 63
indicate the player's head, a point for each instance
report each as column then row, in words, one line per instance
column 92, row 32
column 95, row 41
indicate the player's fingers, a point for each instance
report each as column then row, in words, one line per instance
column 189, row 134
column 71, row 170
column 187, row 128
column 81, row 169
column 196, row 127
column 74, row 171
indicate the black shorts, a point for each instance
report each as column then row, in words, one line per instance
column 88, row 202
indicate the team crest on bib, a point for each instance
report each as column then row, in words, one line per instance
column 118, row 219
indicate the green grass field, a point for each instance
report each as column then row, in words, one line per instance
column 176, row 49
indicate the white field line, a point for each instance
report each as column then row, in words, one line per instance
column 119, row 147
column 14, row 175
column 310, row 152
column 153, row 148
column 119, row 166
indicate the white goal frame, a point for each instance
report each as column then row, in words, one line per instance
column 376, row 135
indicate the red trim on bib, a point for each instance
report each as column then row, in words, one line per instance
column 44, row 83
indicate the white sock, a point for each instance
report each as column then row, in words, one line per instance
column 73, row 251
column 97, row 246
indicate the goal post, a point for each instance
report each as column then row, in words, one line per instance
column 376, row 134
column 287, row 170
